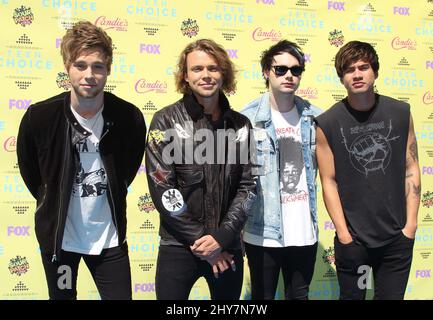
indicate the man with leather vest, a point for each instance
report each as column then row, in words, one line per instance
column 78, row 152
column 199, row 176
column 368, row 164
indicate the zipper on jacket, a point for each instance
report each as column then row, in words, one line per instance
column 112, row 204
column 109, row 186
column 224, row 205
column 61, row 201
column 40, row 205
column 43, row 199
column 103, row 135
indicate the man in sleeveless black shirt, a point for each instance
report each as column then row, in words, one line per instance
column 368, row 163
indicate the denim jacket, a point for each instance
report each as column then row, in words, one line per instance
column 264, row 218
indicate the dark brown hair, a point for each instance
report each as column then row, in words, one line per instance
column 354, row 51
column 282, row 46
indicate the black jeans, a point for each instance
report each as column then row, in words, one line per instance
column 178, row 269
column 296, row 264
column 390, row 263
column 110, row 271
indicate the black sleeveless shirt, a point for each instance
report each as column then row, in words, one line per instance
column 370, row 167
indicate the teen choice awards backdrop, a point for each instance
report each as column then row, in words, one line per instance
column 147, row 37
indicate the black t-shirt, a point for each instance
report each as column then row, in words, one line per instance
column 370, row 167
column 360, row 116
column 217, row 124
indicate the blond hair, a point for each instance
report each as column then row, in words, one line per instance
column 85, row 35
column 218, row 53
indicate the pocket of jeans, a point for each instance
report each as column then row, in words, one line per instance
column 336, row 241
column 347, row 256
column 405, row 237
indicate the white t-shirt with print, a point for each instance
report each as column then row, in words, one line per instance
column 297, row 224
column 89, row 225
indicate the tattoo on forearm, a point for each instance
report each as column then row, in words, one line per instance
column 407, row 189
column 413, row 148
column 416, row 190
column 409, row 175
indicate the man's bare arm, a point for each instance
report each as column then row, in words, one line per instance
column 413, row 183
column 325, row 160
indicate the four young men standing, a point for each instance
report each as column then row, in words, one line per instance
column 214, row 173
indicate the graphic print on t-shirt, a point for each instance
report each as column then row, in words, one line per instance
column 92, row 183
column 294, row 196
column 89, row 226
column 369, row 150
column 291, row 165
column 293, row 183
column 297, row 228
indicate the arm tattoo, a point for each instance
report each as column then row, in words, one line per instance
column 414, row 151
column 416, row 190
column 407, row 189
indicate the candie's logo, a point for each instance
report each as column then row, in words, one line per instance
column 427, row 98
column 143, row 86
column 308, row 93
column 62, row 81
column 23, row 16
column 336, row 38
column 189, row 28
column 260, row 35
column 398, row 44
column 117, row 24
column 10, row 144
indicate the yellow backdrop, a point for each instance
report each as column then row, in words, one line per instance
column 148, row 36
